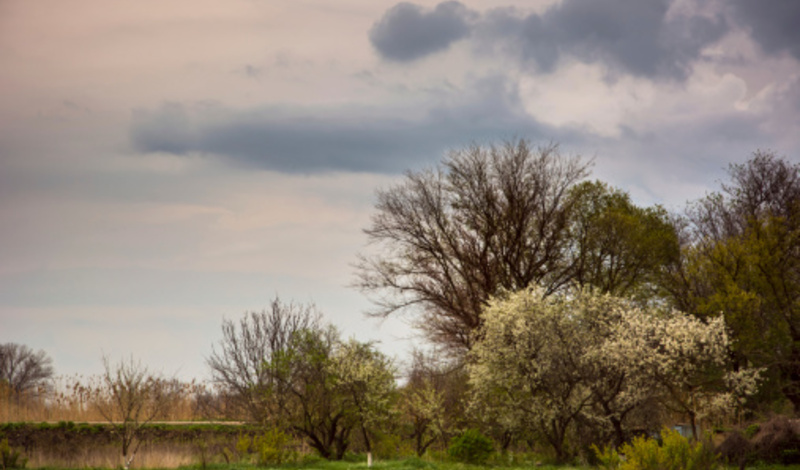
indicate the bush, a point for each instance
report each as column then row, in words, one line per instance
column 471, row 447
column 10, row 458
column 735, row 449
column 390, row 446
column 777, row 441
column 273, row 448
column 675, row 453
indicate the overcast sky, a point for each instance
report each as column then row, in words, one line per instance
column 165, row 165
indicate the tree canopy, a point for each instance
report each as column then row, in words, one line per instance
column 544, row 364
column 502, row 218
column 294, row 373
column 740, row 259
column 22, row 368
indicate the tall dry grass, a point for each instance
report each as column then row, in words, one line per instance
column 75, row 398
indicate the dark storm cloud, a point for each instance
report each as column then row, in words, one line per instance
column 775, row 24
column 407, row 31
column 634, row 36
column 346, row 139
column 631, row 36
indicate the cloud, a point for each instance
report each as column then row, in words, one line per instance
column 774, row 24
column 407, row 31
column 639, row 37
column 347, row 138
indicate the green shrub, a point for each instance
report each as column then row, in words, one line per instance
column 10, row 458
column 752, row 430
column 675, row 453
column 471, row 447
column 273, row 448
column 389, row 446
column 243, row 445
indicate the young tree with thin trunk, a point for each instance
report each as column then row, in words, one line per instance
column 425, row 397
column 130, row 397
column 366, row 379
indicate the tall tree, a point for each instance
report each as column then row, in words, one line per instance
column 741, row 259
column 487, row 219
column 501, row 218
column 618, row 247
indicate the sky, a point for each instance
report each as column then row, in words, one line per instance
column 167, row 165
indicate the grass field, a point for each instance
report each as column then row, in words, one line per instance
column 408, row 464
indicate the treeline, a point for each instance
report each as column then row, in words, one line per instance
column 581, row 318
column 559, row 316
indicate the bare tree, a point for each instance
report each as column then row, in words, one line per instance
column 487, row 219
column 130, row 397
column 22, row 368
column 244, row 365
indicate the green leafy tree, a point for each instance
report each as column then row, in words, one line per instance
column 366, row 379
column 313, row 406
column 741, row 259
column 243, row 362
column 619, row 247
column 294, row 373
column 431, row 400
column 333, row 387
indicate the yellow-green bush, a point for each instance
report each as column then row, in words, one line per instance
column 274, row 447
column 10, row 458
column 675, row 452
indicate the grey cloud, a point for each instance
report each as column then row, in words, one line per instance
column 346, row 139
column 630, row 36
column 633, row 36
column 775, row 24
column 407, row 31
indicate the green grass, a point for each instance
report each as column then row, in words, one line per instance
column 406, row 464
column 401, row 464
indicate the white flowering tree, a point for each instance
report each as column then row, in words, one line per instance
column 526, row 368
column 423, row 408
column 683, row 359
column 365, row 377
column 547, row 362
